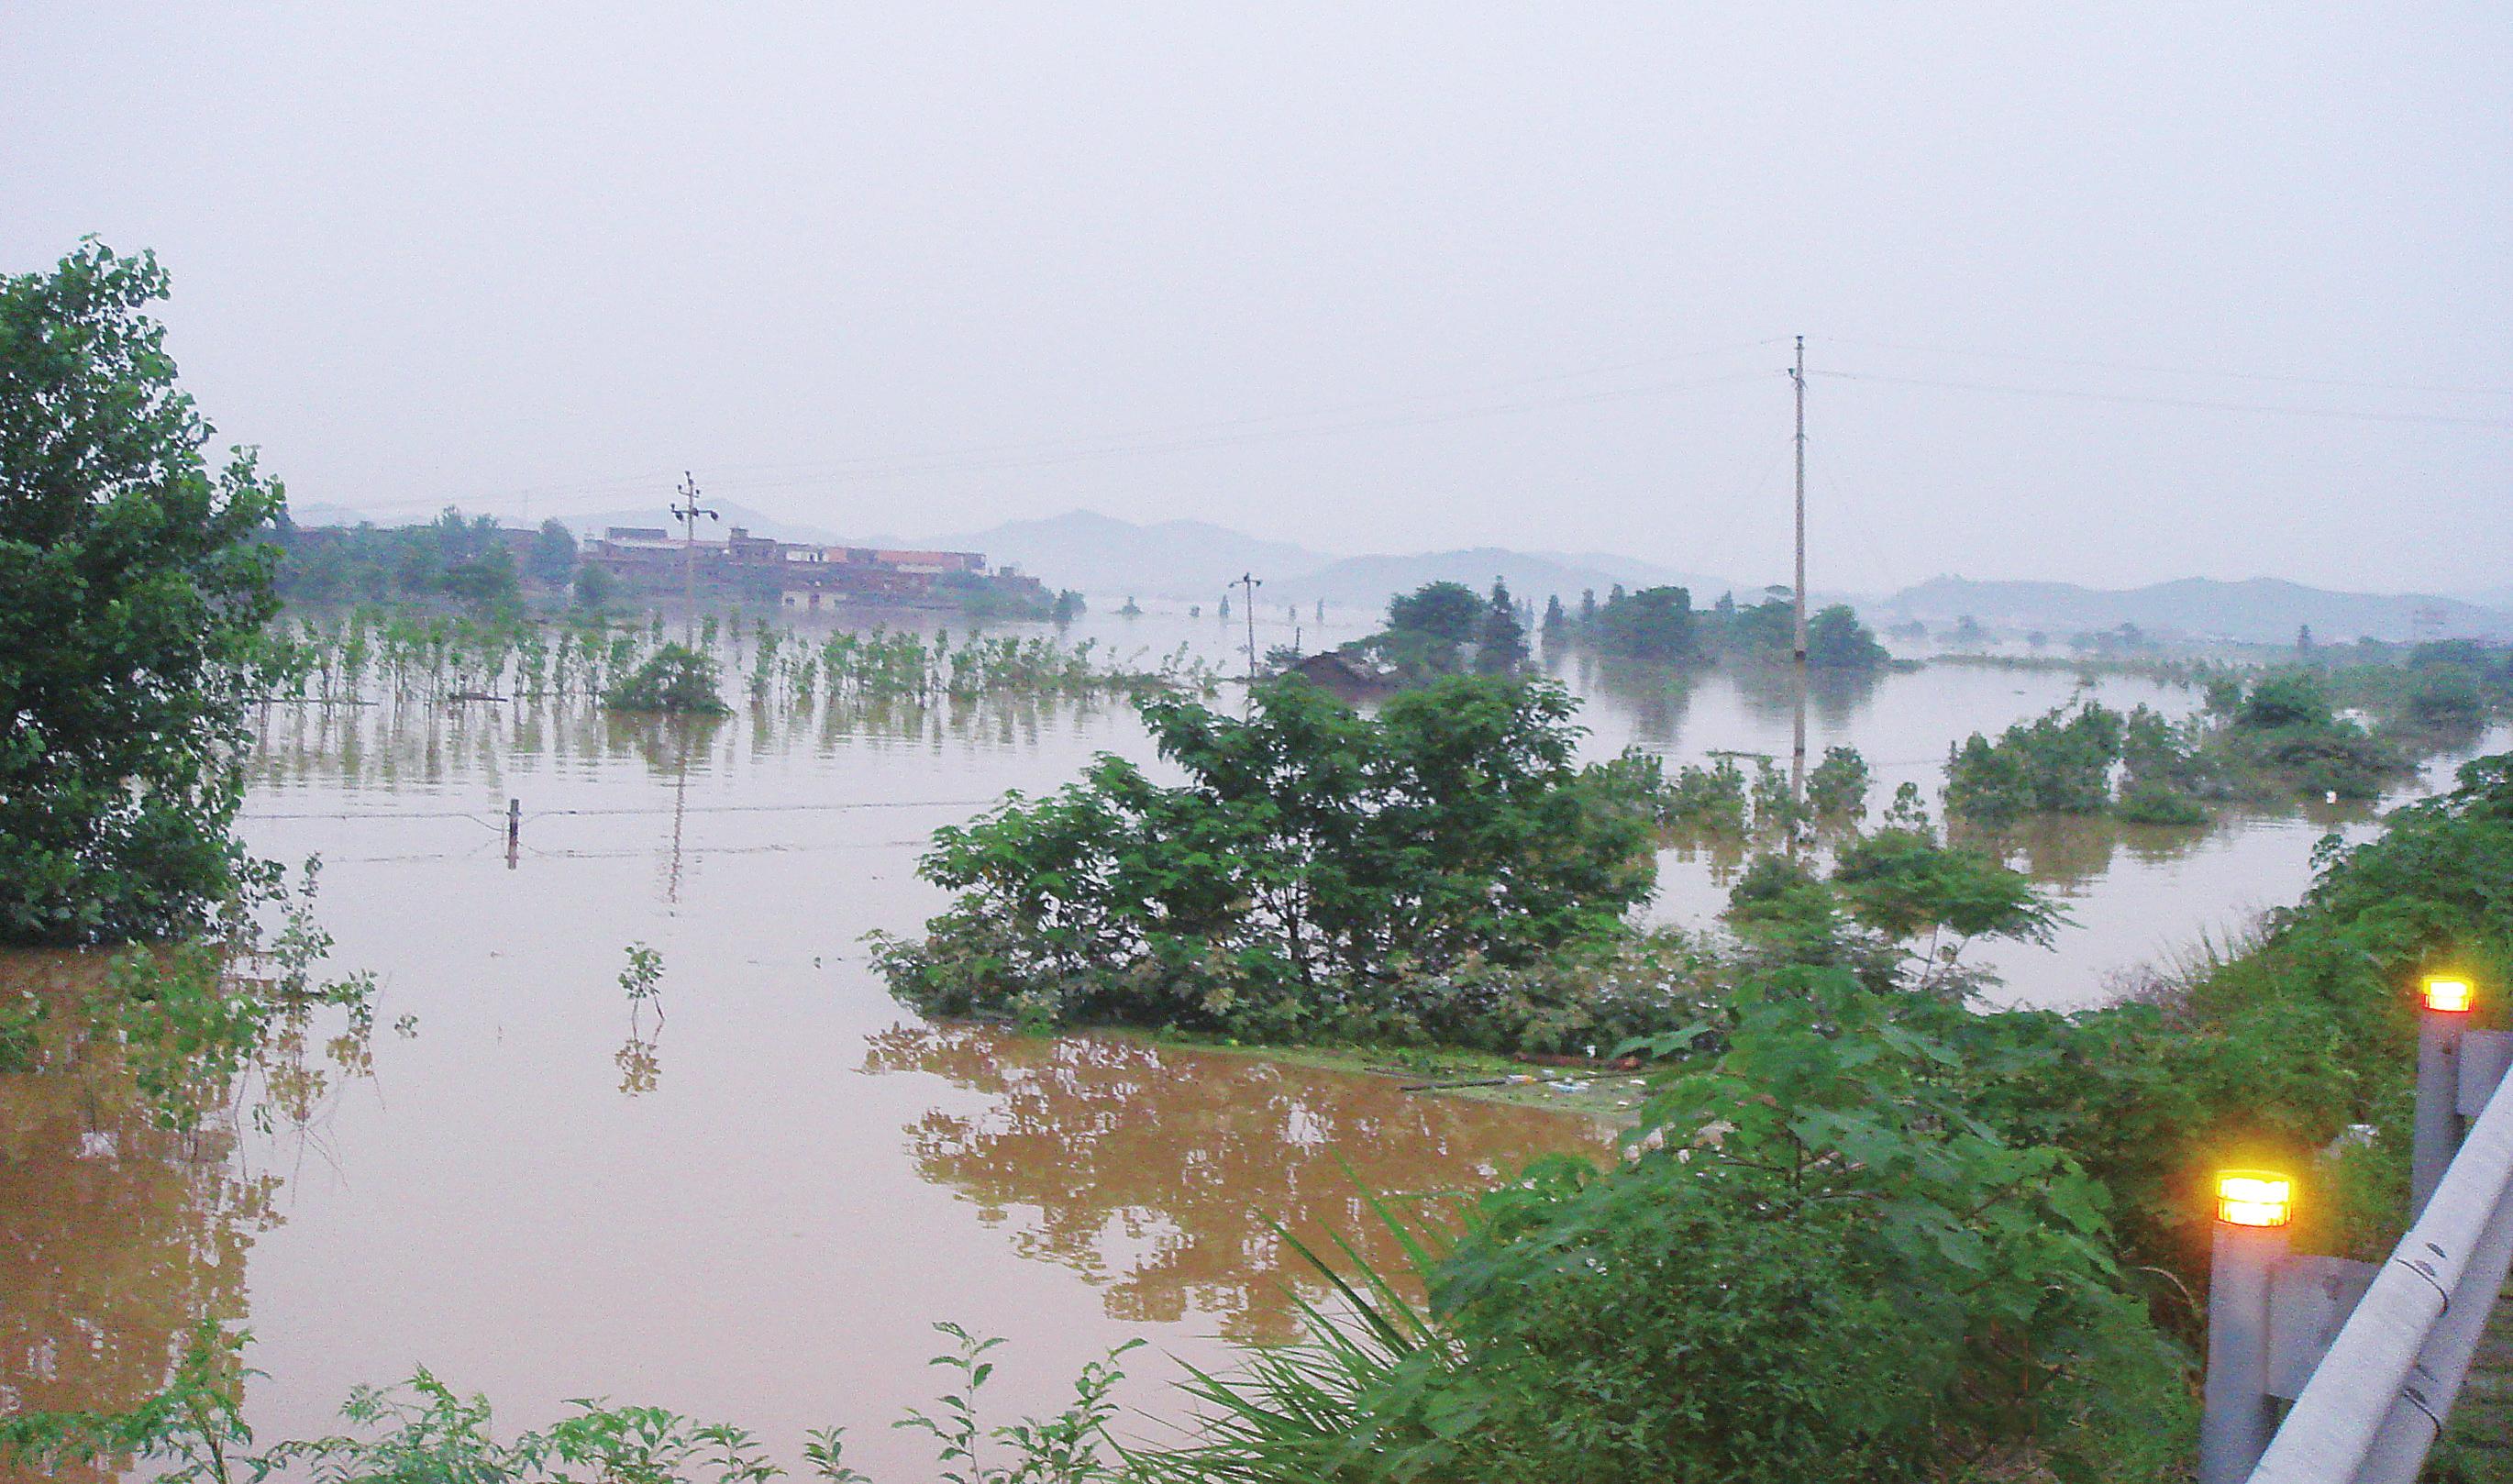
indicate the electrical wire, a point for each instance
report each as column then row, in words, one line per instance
column 2134, row 399
column 1183, row 437
column 664, row 809
column 2178, row 371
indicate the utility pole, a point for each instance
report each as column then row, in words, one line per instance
column 1249, row 584
column 687, row 511
column 1798, row 601
column 1797, row 375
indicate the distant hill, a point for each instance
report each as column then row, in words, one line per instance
column 1103, row 557
column 1367, row 580
column 2259, row 611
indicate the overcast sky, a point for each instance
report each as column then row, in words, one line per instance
column 1371, row 277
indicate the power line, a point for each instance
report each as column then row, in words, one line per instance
column 2134, row 399
column 2179, row 370
column 1186, row 437
column 657, row 809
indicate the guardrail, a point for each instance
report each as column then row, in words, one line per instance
column 2373, row 1358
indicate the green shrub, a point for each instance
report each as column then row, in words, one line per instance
column 1317, row 868
column 673, row 679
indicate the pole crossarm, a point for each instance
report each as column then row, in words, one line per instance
column 2376, row 1402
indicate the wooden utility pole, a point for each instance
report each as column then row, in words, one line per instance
column 1798, row 599
column 688, row 513
column 1797, row 375
column 1249, row 584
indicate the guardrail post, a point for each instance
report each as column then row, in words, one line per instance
column 2237, row 1418
column 514, row 830
column 2438, row 1126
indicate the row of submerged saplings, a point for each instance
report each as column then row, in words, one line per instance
column 373, row 655
column 2259, row 740
column 1721, row 801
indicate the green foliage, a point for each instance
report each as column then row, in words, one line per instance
column 2284, row 726
column 1446, row 611
column 1654, row 623
column 422, row 1431
column 1904, row 883
column 1317, row 873
column 1061, row 1450
column 131, row 592
column 2278, row 739
column 2288, row 699
column 643, row 980
column 188, row 1016
column 454, row 558
column 1659, row 625
column 2059, row 763
column 673, row 679
column 595, row 588
column 195, row 1426
column 1837, row 641
column 2447, row 701
column 1500, row 642
column 1818, row 1265
column 2268, row 1055
column 1837, row 787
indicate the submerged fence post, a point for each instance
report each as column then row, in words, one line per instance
column 2234, row 1428
column 2444, row 1010
column 514, row 830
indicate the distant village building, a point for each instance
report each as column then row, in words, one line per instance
column 803, row 576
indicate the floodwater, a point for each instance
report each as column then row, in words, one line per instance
column 750, row 1197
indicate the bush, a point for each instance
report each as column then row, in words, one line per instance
column 2145, row 803
column 673, row 679
column 1318, row 868
column 1824, row 1269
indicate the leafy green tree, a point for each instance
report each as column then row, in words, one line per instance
column 1837, row 641
column 2290, row 699
column 595, row 588
column 1837, row 787
column 553, row 557
column 1654, row 623
column 1448, row 611
column 2447, row 701
column 1313, row 862
column 673, row 678
column 1500, row 643
column 2057, row 763
column 1903, row 884
column 1555, row 619
column 131, row 595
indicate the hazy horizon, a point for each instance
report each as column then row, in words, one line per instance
column 2111, row 298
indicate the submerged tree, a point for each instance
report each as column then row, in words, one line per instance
column 131, row 595
column 1500, row 642
column 673, row 678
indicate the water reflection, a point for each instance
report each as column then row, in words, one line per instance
column 116, row 1236
column 409, row 743
column 1159, row 1173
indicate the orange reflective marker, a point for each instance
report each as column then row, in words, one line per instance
column 2253, row 1198
column 2447, row 992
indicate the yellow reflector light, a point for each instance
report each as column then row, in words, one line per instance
column 2253, row 1198
column 2443, row 992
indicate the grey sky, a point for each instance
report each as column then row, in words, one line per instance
column 1348, row 274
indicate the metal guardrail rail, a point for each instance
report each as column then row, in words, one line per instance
column 2371, row 1393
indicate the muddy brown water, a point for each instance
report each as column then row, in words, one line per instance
column 751, row 1198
